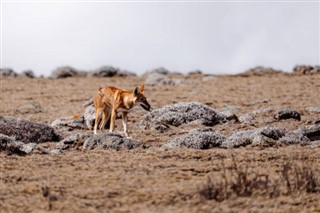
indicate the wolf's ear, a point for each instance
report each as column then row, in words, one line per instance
column 141, row 89
column 136, row 91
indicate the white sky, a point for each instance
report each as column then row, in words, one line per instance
column 214, row 37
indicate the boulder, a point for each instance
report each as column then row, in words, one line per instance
column 204, row 138
column 12, row 146
column 27, row 131
column 264, row 137
column 90, row 116
column 246, row 118
column 105, row 71
column 7, row 72
column 159, row 70
column 154, row 79
column 287, row 113
column 184, row 112
column 28, row 74
column 125, row 73
column 260, row 71
column 30, row 108
column 313, row 109
column 311, row 132
column 64, row 72
column 69, row 123
column 306, row 70
column 102, row 141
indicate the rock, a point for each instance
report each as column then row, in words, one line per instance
column 179, row 113
column 264, row 137
column 260, row 71
column 246, row 118
column 159, row 70
column 195, row 72
column 110, row 141
column 31, row 108
column 69, row 123
column 154, row 79
column 306, row 70
column 28, row 74
column 230, row 116
column 7, row 72
column 313, row 109
column 72, row 140
column 90, row 116
column 102, row 141
column 311, row 132
column 262, row 111
column 11, row 146
column 197, row 139
column 125, row 73
column 287, row 114
column 27, row 131
column 88, row 102
column 105, row 71
column 64, row 72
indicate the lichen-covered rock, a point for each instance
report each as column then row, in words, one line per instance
column 197, row 139
column 7, row 72
column 27, row 131
column 89, row 116
column 105, row 71
column 246, row 118
column 159, row 70
column 265, row 137
column 28, row 74
column 287, row 114
column 11, row 146
column 69, row 123
column 260, row 71
column 184, row 112
column 30, row 108
column 311, row 132
column 313, row 109
column 155, row 78
column 306, row 70
column 64, row 72
column 73, row 140
column 125, row 73
column 230, row 116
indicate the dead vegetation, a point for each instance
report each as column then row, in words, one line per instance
column 242, row 181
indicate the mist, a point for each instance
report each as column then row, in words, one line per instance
column 214, row 37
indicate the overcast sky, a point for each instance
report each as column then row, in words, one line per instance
column 214, row 37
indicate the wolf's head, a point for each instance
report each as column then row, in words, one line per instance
column 141, row 99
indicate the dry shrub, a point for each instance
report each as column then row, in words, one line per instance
column 292, row 179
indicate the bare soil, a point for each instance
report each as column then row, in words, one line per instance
column 157, row 179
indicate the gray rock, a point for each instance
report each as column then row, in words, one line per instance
column 265, row 137
column 159, row 70
column 154, row 79
column 11, row 146
column 28, row 74
column 64, row 72
column 101, row 141
column 27, row 131
column 246, row 118
column 230, row 116
column 72, row 140
column 31, row 108
column 197, row 139
column 7, row 72
column 105, row 71
column 311, row 132
column 179, row 113
column 88, row 102
column 110, row 141
column 195, row 72
column 260, row 71
column 89, row 116
column 287, row 114
column 69, row 123
column 125, row 73
column 306, row 70
column 262, row 111
column 313, row 109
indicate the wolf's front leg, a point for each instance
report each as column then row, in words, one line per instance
column 124, row 123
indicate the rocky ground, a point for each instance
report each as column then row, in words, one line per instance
column 249, row 142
